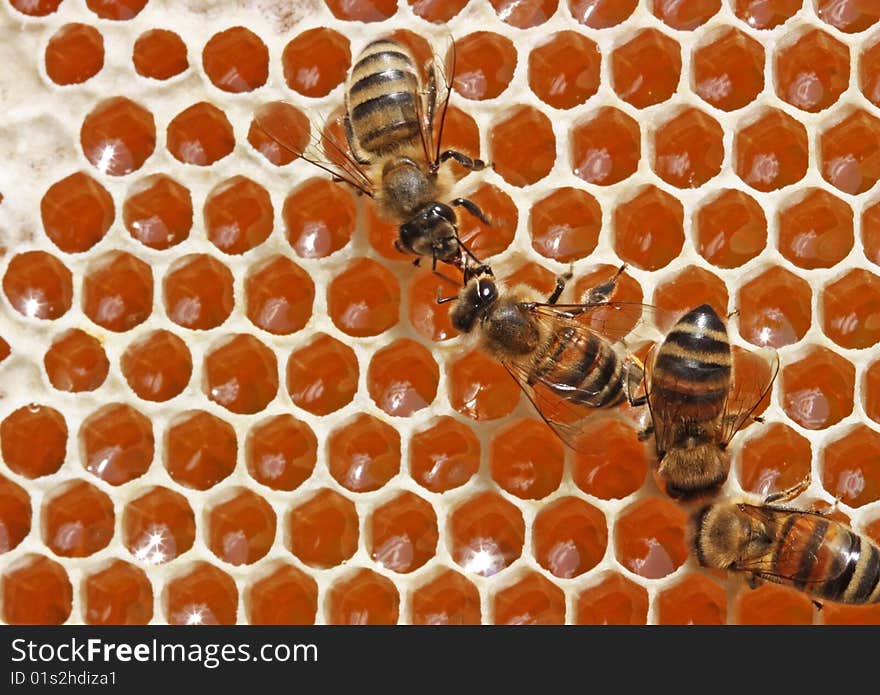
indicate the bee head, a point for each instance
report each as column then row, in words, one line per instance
column 474, row 302
column 432, row 231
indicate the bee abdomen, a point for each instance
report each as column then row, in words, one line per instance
column 382, row 93
column 587, row 371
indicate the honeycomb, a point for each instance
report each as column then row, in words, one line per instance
column 227, row 398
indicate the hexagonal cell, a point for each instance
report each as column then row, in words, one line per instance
column 157, row 366
column 36, row 8
column 849, row 470
column 319, row 218
column 279, row 295
column 613, row 463
column 730, row 229
column 158, row 526
column 158, row 212
column 650, row 537
column 480, row 387
column 487, row 240
column 649, row 229
column 565, row 225
column 851, row 16
column 841, row 614
column 766, row 14
column 445, row 455
column 771, row 152
column 817, row 389
column 279, row 116
column 524, row 15
column 116, row 10
column 35, row 591
column 117, row 443
column 850, row 308
column 322, row 376
column 534, row 277
column 198, row 292
column 484, row 65
column 870, row 235
column 15, row 514
column 119, row 594
column 77, row 212
column 76, row 362
column 364, row 453
column 774, row 459
column 285, row 596
column 238, row 215
column 685, row 16
column 614, row 601
column 364, row 299
column 117, row 291
column 533, row 600
column 38, row 285
column 77, row 519
column 812, row 72
column 402, row 378
column 771, row 604
column 236, row 60
column 564, row 70
column 687, row 290
column 627, row 290
column 200, row 449
column 200, row 135
column 523, row 146
column 159, row 54
column 316, row 61
column 601, row 14
column 605, row 148
column 241, row 374
column 850, row 153
column 241, row 528
column 569, row 537
column 695, row 600
column 363, row 598
column 775, row 308
column 428, row 317
column 281, row 452
column 33, row 440
column 646, row 70
column 448, row 599
column 688, row 150
column 485, row 534
column 323, row 531
column 817, row 231
column 403, row 533
column 375, row 11
column 204, row 595
column 526, row 459
column 728, row 69
column 118, row 136
column 869, row 73
column 437, row 11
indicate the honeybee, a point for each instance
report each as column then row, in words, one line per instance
column 393, row 155
column 799, row 548
column 694, row 406
column 567, row 362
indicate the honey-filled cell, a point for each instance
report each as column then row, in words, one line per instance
column 533, row 600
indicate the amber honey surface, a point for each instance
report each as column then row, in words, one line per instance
column 226, row 398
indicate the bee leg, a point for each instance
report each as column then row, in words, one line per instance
column 819, row 605
column 467, row 162
column 754, row 581
column 560, row 286
column 472, row 208
column 646, row 433
column 788, row 494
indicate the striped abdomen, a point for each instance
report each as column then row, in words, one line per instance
column 381, row 99
column 826, row 559
column 582, row 367
column 691, row 373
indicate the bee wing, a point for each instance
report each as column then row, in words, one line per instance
column 611, row 320
column 823, row 564
column 753, row 376
column 327, row 152
column 566, row 409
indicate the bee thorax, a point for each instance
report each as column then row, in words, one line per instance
column 508, row 330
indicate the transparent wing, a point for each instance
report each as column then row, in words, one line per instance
column 612, row 320
column 752, row 379
column 827, row 562
column 330, row 152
